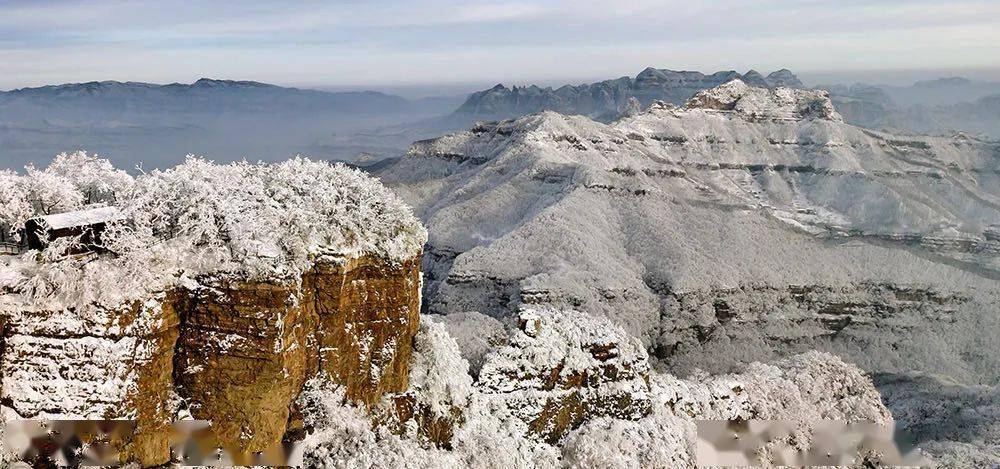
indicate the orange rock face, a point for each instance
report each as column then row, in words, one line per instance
column 237, row 351
column 242, row 358
column 246, row 348
column 367, row 313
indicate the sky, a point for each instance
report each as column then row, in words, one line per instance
column 396, row 44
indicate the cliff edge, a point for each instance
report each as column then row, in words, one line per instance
column 215, row 295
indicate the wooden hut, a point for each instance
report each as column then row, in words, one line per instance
column 87, row 224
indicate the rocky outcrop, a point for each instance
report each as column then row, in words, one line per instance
column 367, row 312
column 236, row 351
column 438, row 398
column 610, row 99
column 563, row 368
column 778, row 103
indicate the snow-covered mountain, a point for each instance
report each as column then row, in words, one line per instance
column 609, row 99
column 603, row 101
column 747, row 224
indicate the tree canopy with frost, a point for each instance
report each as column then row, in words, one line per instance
column 255, row 220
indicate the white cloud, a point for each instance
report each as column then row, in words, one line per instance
column 382, row 42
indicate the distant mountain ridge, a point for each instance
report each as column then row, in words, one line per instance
column 944, row 106
column 202, row 95
column 157, row 124
column 607, row 100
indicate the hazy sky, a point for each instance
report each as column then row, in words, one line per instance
column 393, row 43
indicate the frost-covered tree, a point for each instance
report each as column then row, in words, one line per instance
column 71, row 182
column 51, row 193
column 15, row 207
column 256, row 220
column 96, row 178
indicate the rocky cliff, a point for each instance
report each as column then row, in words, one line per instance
column 236, row 352
column 218, row 341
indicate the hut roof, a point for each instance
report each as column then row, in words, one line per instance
column 80, row 218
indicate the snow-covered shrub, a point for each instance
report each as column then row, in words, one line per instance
column 342, row 436
column 476, row 334
column 255, row 220
column 493, row 438
column 659, row 440
column 801, row 390
column 438, row 373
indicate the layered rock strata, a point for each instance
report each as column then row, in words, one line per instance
column 561, row 370
column 236, row 351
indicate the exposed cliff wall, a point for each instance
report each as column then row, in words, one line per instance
column 368, row 313
column 246, row 348
column 236, row 351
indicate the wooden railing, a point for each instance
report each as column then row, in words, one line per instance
column 10, row 248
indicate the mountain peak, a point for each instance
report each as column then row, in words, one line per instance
column 943, row 82
column 754, row 78
column 216, row 83
column 650, row 72
column 784, row 77
column 757, row 102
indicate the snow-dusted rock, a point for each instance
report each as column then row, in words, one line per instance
column 778, row 103
column 562, row 368
column 439, row 392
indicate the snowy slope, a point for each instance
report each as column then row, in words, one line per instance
column 677, row 196
column 747, row 224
